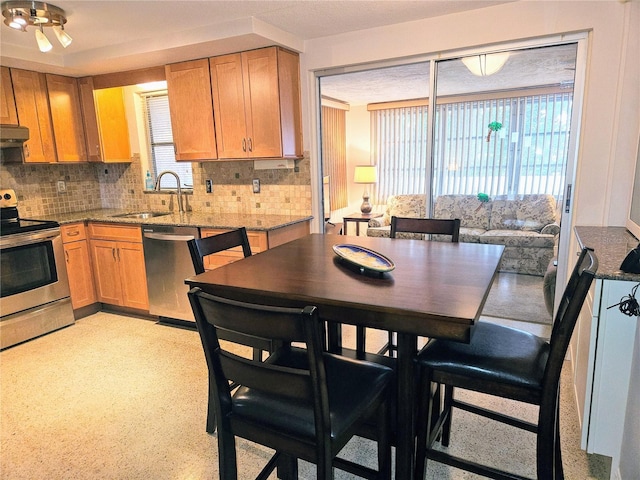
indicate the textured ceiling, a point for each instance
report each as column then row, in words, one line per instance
column 524, row 69
column 111, row 36
column 121, row 35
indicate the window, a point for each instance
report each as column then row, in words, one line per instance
column 161, row 142
column 510, row 145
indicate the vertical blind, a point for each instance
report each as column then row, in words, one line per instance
column 334, row 156
column 161, row 142
column 525, row 151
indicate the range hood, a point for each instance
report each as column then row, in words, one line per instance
column 12, row 136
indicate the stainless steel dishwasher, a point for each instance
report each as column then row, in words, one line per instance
column 168, row 263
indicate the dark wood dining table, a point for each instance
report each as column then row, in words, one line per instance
column 437, row 289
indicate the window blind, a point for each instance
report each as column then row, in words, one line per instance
column 161, row 142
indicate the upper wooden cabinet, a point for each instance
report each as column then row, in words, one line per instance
column 32, row 105
column 8, row 115
column 105, row 123
column 189, row 88
column 256, row 97
column 66, row 117
column 90, row 119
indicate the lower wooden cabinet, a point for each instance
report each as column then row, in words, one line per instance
column 78, row 261
column 118, row 265
column 257, row 240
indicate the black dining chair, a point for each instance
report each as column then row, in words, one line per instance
column 303, row 402
column 425, row 226
column 200, row 248
column 507, row 363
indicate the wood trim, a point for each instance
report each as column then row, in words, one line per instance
column 131, row 77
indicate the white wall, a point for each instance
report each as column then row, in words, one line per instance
column 611, row 112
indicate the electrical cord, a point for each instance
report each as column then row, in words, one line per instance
column 628, row 304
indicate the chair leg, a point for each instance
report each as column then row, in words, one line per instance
column 384, row 443
column 424, row 425
column 559, row 469
column 227, row 455
column 547, row 450
column 361, row 341
column 287, row 467
column 448, row 410
column 211, row 414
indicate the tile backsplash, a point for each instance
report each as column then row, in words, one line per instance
column 92, row 186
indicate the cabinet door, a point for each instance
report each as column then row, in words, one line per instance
column 262, row 102
column 8, row 115
column 80, row 275
column 191, row 107
column 104, row 255
column 32, row 104
column 66, row 117
column 90, row 119
column 112, row 124
column 132, row 275
column 228, row 98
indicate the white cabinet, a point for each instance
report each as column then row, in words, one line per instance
column 602, row 351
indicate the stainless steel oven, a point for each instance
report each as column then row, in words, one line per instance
column 34, row 287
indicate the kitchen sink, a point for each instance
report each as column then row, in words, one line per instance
column 141, row 215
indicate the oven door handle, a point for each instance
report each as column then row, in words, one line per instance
column 28, row 238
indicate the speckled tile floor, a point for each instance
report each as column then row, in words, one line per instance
column 117, row 397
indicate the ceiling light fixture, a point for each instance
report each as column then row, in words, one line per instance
column 20, row 15
column 486, row 64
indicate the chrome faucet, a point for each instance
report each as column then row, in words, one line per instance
column 157, row 187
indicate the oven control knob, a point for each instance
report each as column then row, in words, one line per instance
column 7, row 196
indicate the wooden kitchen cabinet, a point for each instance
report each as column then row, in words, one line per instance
column 257, row 241
column 256, row 98
column 78, row 260
column 105, row 123
column 66, row 118
column 32, row 105
column 118, row 265
column 191, row 109
column 8, row 114
column 90, row 119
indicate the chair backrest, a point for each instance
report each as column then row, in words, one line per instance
column 201, row 247
column 307, row 384
column 567, row 315
column 426, row 226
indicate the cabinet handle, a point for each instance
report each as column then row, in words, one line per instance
column 73, row 233
column 113, row 252
column 66, row 254
column 250, row 145
column 26, row 151
column 244, row 144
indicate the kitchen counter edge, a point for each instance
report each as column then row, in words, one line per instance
column 189, row 219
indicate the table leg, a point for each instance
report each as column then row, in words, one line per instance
column 405, row 450
column 357, row 229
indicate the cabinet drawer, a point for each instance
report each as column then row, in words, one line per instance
column 116, row 232
column 73, row 232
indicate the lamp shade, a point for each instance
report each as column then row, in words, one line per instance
column 365, row 174
column 485, row 64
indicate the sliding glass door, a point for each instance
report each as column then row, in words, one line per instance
column 504, row 132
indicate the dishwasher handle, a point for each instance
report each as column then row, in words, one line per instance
column 168, row 236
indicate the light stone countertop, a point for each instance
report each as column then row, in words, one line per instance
column 189, row 219
column 611, row 245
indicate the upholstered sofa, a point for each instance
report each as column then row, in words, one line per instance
column 525, row 224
